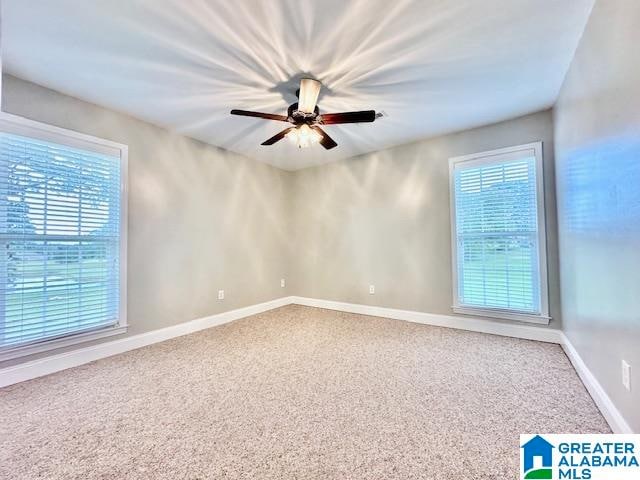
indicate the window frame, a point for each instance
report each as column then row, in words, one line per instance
column 493, row 157
column 17, row 125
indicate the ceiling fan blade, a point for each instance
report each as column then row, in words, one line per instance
column 348, row 117
column 308, row 96
column 277, row 137
column 325, row 140
column 266, row 116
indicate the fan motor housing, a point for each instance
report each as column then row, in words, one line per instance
column 298, row 118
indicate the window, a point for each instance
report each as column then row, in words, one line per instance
column 498, row 234
column 62, row 237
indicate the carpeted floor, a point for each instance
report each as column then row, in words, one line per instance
column 297, row 393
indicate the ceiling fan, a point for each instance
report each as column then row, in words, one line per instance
column 306, row 119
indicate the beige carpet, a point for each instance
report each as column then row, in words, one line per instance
column 297, row 393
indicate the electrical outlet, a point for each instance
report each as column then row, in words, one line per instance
column 282, row 282
column 372, row 289
column 220, row 294
column 626, row 375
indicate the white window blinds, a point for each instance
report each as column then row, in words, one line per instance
column 497, row 237
column 59, row 240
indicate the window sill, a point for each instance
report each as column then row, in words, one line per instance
column 503, row 314
column 23, row 351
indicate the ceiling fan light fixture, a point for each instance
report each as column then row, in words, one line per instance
column 305, row 119
column 309, row 91
column 303, row 136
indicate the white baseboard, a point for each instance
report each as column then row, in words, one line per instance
column 609, row 411
column 74, row 358
column 54, row 363
column 475, row 324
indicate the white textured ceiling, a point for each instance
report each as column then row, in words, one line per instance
column 432, row 66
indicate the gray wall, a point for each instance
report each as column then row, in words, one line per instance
column 200, row 218
column 597, row 134
column 383, row 219
column 203, row 219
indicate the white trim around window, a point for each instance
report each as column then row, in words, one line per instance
column 540, row 313
column 16, row 125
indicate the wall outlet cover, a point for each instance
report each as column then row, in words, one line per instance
column 626, row 375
